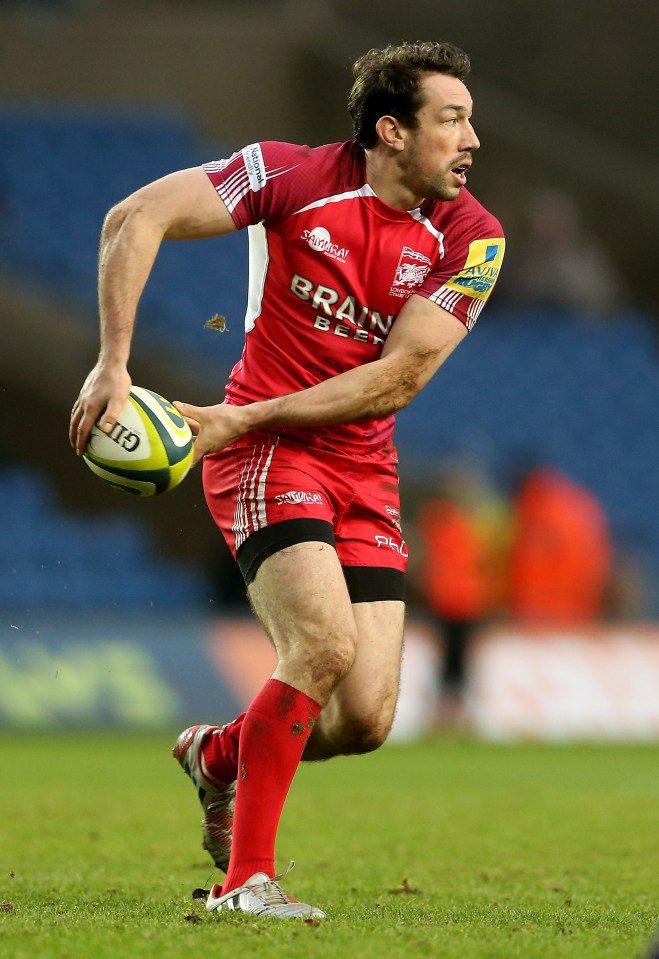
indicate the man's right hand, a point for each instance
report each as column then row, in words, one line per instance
column 214, row 427
column 102, row 397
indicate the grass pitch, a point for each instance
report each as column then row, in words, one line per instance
column 445, row 848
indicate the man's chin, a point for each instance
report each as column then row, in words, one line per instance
column 446, row 193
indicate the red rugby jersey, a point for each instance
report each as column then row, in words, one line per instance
column 331, row 265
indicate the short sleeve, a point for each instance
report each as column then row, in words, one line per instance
column 259, row 181
column 464, row 282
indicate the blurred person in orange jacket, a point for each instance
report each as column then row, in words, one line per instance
column 561, row 553
column 464, row 531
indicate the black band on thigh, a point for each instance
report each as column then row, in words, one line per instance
column 270, row 539
column 368, row 584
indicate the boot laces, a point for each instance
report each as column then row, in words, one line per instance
column 270, row 892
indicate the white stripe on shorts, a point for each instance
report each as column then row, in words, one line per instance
column 250, row 513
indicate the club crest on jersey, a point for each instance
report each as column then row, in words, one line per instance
column 319, row 239
column 412, row 269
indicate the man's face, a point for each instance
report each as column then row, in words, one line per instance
column 438, row 152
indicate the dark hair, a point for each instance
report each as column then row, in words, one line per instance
column 388, row 83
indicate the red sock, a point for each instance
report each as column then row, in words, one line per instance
column 274, row 733
column 220, row 751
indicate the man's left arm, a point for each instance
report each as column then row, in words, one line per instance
column 421, row 339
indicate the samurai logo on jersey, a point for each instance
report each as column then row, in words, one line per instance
column 296, row 497
column 412, row 269
column 319, row 239
column 480, row 272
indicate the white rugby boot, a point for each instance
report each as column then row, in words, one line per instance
column 261, row 896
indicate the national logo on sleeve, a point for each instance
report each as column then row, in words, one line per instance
column 480, row 272
column 255, row 166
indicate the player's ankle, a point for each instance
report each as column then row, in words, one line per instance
column 242, row 871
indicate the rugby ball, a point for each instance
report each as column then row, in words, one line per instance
column 149, row 450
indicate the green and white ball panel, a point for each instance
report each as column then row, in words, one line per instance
column 175, row 435
column 149, row 451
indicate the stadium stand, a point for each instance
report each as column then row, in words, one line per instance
column 554, row 388
column 60, row 172
column 581, row 395
column 58, row 560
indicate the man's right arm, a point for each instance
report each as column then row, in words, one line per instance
column 181, row 206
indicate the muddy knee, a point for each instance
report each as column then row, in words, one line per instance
column 321, row 667
column 334, row 664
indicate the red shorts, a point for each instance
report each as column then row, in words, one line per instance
column 266, row 492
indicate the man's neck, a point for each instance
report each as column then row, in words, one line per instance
column 384, row 177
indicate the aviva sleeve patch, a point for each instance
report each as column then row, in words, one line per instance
column 480, row 272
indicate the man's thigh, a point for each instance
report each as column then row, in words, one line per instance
column 370, row 690
column 300, row 596
column 360, row 711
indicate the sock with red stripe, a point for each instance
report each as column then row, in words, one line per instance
column 274, row 732
column 220, row 751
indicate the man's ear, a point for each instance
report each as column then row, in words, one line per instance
column 390, row 133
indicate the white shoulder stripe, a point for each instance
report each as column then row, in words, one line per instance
column 271, row 174
column 367, row 191
column 425, row 222
column 338, row 198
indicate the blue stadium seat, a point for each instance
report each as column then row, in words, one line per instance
column 62, row 169
column 56, row 559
